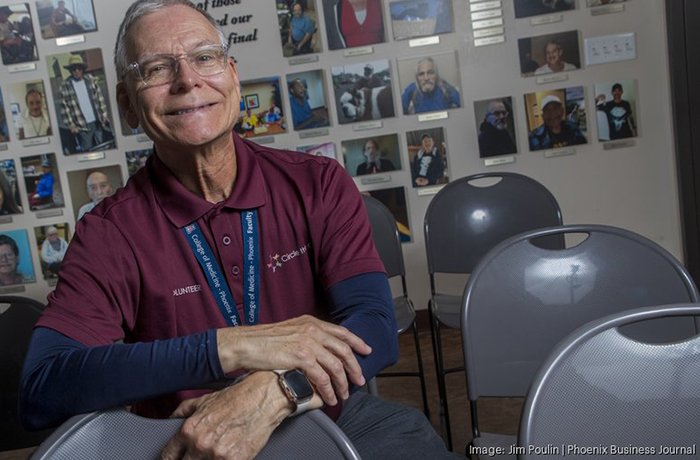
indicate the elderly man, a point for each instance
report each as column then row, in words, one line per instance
column 555, row 131
column 35, row 122
column 99, row 187
column 53, row 250
column 429, row 92
column 219, row 258
column 494, row 138
column 83, row 107
column 553, row 59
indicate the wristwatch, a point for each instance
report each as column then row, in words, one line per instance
column 297, row 388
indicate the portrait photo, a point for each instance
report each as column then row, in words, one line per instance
column 88, row 187
column 298, row 26
column 51, row 244
column 16, row 265
column 420, row 18
column 616, row 109
column 17, row 41
column 84, row 123
column 327, row 149
column 42, row 182
column 495, row 127
column 261, row 108
column 10, row 200
column 526, row 8
column 550, row 53
column 307, row 100
column 62, row 18
column 430, row 83
column 556, row 118
column 371, row 155
column 363, row 91
column 427, row 155
column 353, row 23
column 4, row 130
column 30, row 114
column 395, row 199
column 136, row 159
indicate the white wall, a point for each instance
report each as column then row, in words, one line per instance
column 632, row 187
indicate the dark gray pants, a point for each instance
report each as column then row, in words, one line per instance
column 383, row 430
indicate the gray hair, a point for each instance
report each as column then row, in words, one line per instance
column 142, row 8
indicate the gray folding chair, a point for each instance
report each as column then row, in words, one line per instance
column 386, row 239
column 522, row 299
column 117, row 434
column 463, row 221
column 17, row 318
column 600, row 389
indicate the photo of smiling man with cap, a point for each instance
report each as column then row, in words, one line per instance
column 555, row 131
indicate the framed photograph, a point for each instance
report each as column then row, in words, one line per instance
column 62, row 18
column 556, row 118
column 427, row 155
column 17, row 40
column 395, row 199
column 261, row 110
column 350, row 24
column 550, row 53
column 307, row 100
column 616, row 109
column 526, row 8
column 363, row 91
column 88, row 187
column 371, row 155
column 4, row 131
column 30, row 115
column 327, row 149
column 42, row 182
column 16, row 265
column 495, row 127
column 51, row 244
column 430, row 83
column 420, row 18
column 136, row 159
column 298, row 26
column 85, row 123
column 251, row 101
column 10, row 201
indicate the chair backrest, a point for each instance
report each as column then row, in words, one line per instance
column 465, row 219
column 601, row 388
column 522, row 299
column 16, row 325
column 385, row 235
column 117, row 434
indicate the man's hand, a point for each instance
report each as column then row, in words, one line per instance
column 322, row 350
column 233, row 423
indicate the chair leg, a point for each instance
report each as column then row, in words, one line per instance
column 440, row 373
column 421, row 372
column 372, row 387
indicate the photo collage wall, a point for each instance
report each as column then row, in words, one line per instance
column 60, row 114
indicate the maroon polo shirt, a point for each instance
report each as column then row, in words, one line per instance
column 129, row 273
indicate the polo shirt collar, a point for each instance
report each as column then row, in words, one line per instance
column 183, row 207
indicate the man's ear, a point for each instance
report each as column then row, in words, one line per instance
column 126, row 106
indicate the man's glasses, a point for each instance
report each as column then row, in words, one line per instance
column 500, row 113
column 206, row 61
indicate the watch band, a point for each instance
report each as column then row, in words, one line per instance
column 296, row 388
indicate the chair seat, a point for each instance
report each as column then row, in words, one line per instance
column 447, row 309
column 405, row 313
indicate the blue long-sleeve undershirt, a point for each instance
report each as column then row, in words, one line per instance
column 62, row 377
